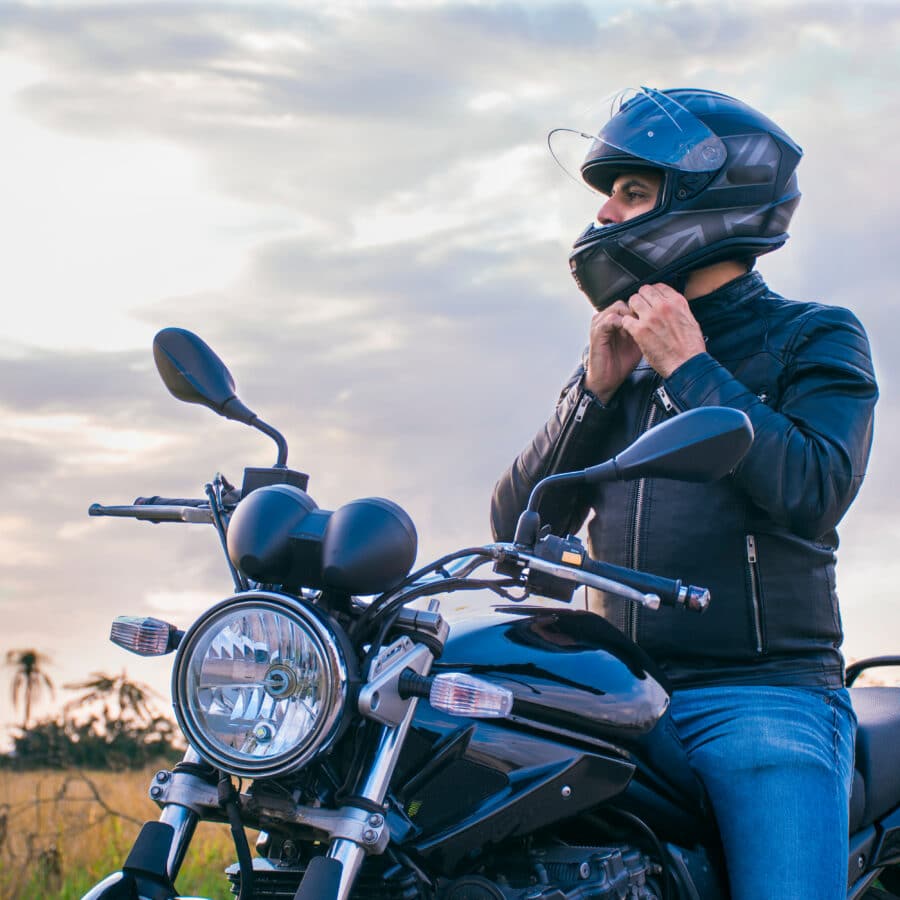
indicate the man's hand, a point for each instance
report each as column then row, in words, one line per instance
column 613, row 353
column 660, row 322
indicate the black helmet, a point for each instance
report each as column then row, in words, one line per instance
column 728, row 191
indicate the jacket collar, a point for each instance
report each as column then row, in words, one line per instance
column 728, row 298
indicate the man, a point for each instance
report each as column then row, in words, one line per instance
column 698, row 186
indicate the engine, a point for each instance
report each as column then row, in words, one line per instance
column 551, row 873
column 564, row 873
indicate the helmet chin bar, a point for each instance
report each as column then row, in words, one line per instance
column 737, row 210
column 585, row 268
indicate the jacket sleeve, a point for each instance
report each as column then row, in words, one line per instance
column 809, row 455
column 567, row 442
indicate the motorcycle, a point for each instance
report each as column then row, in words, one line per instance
column 382, row 754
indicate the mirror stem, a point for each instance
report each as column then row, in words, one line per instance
column 530, row 522
column 276, row 436
column 551, row 480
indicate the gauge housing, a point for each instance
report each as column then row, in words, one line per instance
column 278, row 535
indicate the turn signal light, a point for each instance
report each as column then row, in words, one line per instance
column 144, row 635
column 464, row 695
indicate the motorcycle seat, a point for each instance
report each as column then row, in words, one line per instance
column 877, row 743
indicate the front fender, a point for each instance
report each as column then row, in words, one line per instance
column 145, row 875
column 127, row 886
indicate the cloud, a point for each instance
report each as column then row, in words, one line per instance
column 395, row 296
column 282, row 101
column 21, row 460
column 52, row 382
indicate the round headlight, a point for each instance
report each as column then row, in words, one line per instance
column 259, row 684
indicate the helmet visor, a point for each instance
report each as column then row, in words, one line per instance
column 645, row 125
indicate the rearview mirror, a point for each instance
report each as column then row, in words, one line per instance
column 698, row 445
column 193, row 373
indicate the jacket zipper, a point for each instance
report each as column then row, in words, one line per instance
column 649, row 421
column 666, row 400
column 582, row 408
column 574, row 417
column 753, row 566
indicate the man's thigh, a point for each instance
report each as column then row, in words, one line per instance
column 777, row 765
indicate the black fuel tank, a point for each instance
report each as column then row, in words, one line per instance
column 568, row 669
column 585, row 696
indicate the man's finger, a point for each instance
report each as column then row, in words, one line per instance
column 620, row 307
column 664, row 291
column 630, row 325
column 638, row 303
column 609, row 319
column 652, row 293
column 614, row 309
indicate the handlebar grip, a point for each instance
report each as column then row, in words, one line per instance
column 168, row 501
column 671, row 592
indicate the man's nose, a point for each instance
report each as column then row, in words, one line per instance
column 609, row 213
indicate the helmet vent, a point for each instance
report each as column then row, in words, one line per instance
column 764, row 174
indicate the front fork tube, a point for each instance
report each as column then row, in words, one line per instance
column 183, row 821
column 349, row 853
column 152, row 867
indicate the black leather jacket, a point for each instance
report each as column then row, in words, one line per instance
column 763, row 538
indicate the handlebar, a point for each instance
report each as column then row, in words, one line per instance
column 642, row 588
column 639, row 587
column 158, row 512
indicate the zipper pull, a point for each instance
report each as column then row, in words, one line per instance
column 582, row 408
column 667, row 404
column 751, row 548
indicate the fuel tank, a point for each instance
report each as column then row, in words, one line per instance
column 584, row 696
column 568, row 669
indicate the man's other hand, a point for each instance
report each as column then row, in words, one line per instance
column 660, row 323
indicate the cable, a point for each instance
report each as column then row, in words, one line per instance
column 362, row 623
column 215, row 500
column 641, row 825
column 354, row 769
column 228, row 800
column 447, row 585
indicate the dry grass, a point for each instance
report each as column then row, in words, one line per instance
column 61, row 832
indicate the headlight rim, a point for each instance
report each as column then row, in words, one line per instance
column 332, row 643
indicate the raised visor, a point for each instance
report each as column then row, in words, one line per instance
column 567, row 669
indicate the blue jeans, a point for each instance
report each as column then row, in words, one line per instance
column 777, row 764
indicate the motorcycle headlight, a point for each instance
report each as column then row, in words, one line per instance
column 259, row 684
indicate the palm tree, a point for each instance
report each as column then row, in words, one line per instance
column 132, row 699
column 29, row 679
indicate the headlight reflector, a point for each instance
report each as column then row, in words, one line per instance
column 259, row 684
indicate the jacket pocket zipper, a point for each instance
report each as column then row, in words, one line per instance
column 753, row 569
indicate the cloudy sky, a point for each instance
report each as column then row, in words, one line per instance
column 353, row 203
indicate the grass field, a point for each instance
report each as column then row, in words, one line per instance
column 57, row 840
